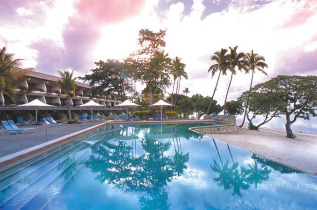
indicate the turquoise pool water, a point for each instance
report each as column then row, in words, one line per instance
column 154, row 167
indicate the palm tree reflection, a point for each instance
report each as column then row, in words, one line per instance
column 238, row 178
column 115, row 162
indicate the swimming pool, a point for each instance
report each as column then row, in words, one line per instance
column 163, row 166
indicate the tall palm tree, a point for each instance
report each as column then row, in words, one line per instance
column 179, row 72
column 221, row 65
column 254, row 62
column 235, row 59
column 68, row 86
column 8, row 74
column 186, row 91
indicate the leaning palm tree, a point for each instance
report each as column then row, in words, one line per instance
column 68, row 86
column 8, row 73
column 254, row 62
column 221, row 65
column 235, row 59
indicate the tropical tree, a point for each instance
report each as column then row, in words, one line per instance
column 254, row 62
column 201, row 105
column 234, row 107
column 8, row 74
column 108, row 77
column 235, row 60
column 221, row 64
column 185, row 107
column 68, row 86
column 186, row 91
column 178, row 71
column 151, row 65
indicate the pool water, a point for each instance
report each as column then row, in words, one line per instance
column 163, row 166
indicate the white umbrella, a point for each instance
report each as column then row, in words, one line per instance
column 127, row 103
column 35, row 103
column 161, row 103
column 91, row 104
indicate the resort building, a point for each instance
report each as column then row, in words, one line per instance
column 37, row 85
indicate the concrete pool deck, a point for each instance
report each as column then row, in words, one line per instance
column 299, row 153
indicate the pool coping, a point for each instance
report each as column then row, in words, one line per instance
column 17, row 158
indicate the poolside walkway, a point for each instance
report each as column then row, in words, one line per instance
column 299, row 153
column 14, row 143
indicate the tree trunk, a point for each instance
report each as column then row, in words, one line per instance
column 289, row 132
column 247, row 103
column 173, row 91
column 68, row 108
column 225, row 104
column 151, row 95
column 177, row 89
column 213, row 94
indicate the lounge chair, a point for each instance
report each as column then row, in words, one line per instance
column 81, row 118
column 124, row 117
column 123, row 113
column 130, row 118
column 100, row 117
column 21, row 121
column 47, row 123
column 156, row 117
column 214, row 115
column 52, row 122
column 117, row 117
column 137, row 118
column 13, row 125
column 88, row 117
column 8, row 128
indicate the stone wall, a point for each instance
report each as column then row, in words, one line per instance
column 216, row 129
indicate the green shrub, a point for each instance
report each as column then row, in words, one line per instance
column 144, row 113
column 171, row 113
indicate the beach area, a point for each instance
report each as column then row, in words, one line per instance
column 299, row 153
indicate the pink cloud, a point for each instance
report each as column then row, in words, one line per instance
column 300, row 17
column 109, row 11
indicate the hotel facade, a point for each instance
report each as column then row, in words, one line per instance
column 37, row 85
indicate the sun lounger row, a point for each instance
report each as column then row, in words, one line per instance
column 124, row 117
column 11, row 128
column 49, row 121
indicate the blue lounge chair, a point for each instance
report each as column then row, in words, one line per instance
column 47, row 123
column 8, row 128
column 163, row 117
column 124, row 117
column 156, row 117
column 100, row 117
column 88, row 117
column 137, row 118
column 52, row 122
column 130, row 118
column 21, row 121
column 13, row 125
column 81, row 118
column 117, row 117
column 123, row 113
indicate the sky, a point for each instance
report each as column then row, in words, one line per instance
column 52, row 35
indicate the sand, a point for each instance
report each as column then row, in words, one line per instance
column 299, row 153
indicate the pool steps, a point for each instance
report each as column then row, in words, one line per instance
column 33, row 172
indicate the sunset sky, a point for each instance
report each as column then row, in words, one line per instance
column 54, row 35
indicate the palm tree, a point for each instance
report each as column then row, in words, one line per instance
column 186, row 91
column 8, row 75
column 254, row 62
column 235, row 59
column 178, row 71
column 221, row 65
column 68, row 86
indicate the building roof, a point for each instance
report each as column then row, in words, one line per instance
column 35, row 74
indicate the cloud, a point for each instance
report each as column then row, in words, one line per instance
column 109, row 11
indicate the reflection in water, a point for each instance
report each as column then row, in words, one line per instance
column 115, row 162
column 238, row 177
